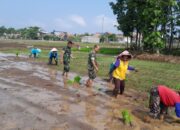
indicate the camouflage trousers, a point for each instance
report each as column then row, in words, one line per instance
column 155, row 104
column 92, row 74
column 66, row 67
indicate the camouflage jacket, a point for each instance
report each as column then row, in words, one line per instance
column 92, row 57
column 67, row 54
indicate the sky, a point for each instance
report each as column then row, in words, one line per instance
column 73, row 16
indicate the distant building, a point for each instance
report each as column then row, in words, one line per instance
column 123, row 39
column 61, row 34
column 90, row 39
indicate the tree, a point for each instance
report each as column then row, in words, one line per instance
column 112, row 37
column 29, row 33
column 75, row 38
column 124, row 17
column 129, row 14
column 173, row 23
column 10, row 30
column 32, row 33
column 149, row 19
column 2, row 30
column 102, row 38
column 108, row 37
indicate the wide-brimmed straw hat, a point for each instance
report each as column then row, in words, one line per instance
column 54, row 49
column 125, row 53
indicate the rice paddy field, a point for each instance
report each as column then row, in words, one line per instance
column 40, row 98
column 150, row 73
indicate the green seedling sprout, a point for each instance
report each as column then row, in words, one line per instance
column 70, row 81
column 76, row 79
column 127, row 117
column 17, row 54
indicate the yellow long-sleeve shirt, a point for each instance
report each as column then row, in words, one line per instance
column 120, row 71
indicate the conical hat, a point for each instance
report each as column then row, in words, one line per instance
column 125, row 53
column 54, row 49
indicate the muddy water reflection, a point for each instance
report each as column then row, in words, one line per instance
column 53, row 74
column 90, row 113
column 64, row 107
column 65, row 81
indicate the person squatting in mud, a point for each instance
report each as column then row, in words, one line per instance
column 92, row 66
column 119, row 72
column 53, row 55
column 162, row 97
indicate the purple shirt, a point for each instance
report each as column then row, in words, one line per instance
column 117, row 63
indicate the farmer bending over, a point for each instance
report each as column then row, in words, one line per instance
column 162, row 97
column 34, row 51
column 53, row 54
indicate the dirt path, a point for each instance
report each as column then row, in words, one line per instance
column 35, row 97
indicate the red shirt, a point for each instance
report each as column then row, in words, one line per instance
column 168, row 96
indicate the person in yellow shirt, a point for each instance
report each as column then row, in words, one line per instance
column 119, row 72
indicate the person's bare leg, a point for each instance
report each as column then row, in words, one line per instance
column 116, row 88
column 66, row 74
column 161, row 117
column 89, row 83
column 63, row 73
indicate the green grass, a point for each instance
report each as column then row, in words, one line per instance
column 150, row 73
column 154, row 73
column 103, row 50
column 61, row 43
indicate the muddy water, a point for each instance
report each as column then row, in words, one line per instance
column 35, row 96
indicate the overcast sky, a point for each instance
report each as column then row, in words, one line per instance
column 74, row 16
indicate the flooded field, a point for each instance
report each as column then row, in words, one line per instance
column 34, row 96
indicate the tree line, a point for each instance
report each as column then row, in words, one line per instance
column 35, row 33
column 23, row 33
column 156, row 23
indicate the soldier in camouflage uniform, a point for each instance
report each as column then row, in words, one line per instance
column 92, row 66
column 66, row 56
